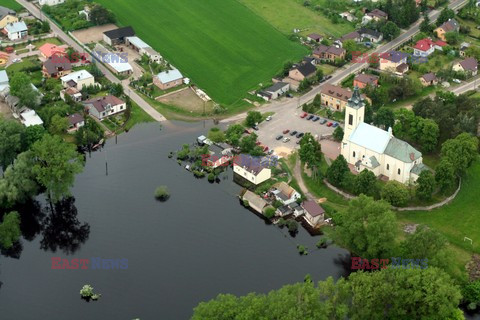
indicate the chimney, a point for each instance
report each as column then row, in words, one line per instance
column 390, row 132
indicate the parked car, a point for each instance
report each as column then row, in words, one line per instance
column 335, row 124
column 310, row 117
column 300, row 134
column 316, row 118
column 289, row 95
column 303, row 115
column 279, row 137
column 286, row 131
column 16, row 60
column 323, row 121
column 270, row 152
column 328, row 77
column 329, row 124
column 456, row 81
column 265, row 148
column 269, row 118
column 255, row 127
column 286, row 139
column 323, row 79
column 293, row 133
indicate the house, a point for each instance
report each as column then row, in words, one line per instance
column 75, row 121
column 7, row 16
column 394, row 61
column 72, row 92
column 283, row 211
column 469, row 65
column 153, row 55
column 49, row 49
column 284, row 193
column 4, row 82
column 78, row 80
column 302, row 71
column 314, row 213
column 362, row 80
column 463, row 48
column 314, row 37
column 56, row 66
column 254, row 201
column 168, row 79
column 103, row 107
column 50, row 2
column 217, row 157
column 296, row 209
column 329, row 53
column 429, row 79
column 449, row 26
column 311, row 60
column 354, row 35
column 117, row 36
column 370, row 35
column 143, row 48
column 16, row 30
column 348, row 16
column 275, row 91
column 252, row 169
column 374, row 15
column 335, row 97
column 30, row 118
column 425, row 47
column 367, row 147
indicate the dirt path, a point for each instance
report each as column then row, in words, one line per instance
column 297, row 173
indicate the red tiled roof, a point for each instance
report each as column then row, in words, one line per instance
column 49, row 49
column 424, row 44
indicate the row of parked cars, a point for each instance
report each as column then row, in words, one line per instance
column 292, row 134
column 315, row 118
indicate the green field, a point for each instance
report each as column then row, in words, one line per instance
column 11, row 4
column 221, row 45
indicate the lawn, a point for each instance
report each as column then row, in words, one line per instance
column 220, row 44
column 286, row 15
column 11, row 4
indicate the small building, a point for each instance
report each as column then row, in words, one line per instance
column 354, row 35
column 362, row 80
column 120, row 68
column 463, row 48
column 314, row 213
column 284, row 193
column 329, row 53
column 72, row 92
column 117, row 36
column 314, row 37
column 30, row 118
column 16, row 30
column 370, row 35
column 254, row 201
column 4, row 81
column 103, row 107
column 136, row 43
column 335, row 97
column 348, row 16
column 78, row 80
column 469, row 65
column 153, row 55
column 283, row 211
column 49, row 49
column 168, row 79
column 7, row 16
column 50, row 2
column 252, row 169
column 296, row 209
column 56, row 66
column 429, row 79
column 391, row 61
column 374, row 15
column 218, row 157
column 449, row 26
column 75, row 121
column 201, row 140
column 302, row 71
column 275, row 91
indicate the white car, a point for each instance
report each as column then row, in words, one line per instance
column 16, row 60
column 456, row 81
column 286, row 139
column 269, row 118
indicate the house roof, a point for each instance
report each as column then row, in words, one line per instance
column 76, row 76
column 16, row 27
column 120, row 33
column 377, row 13
column 469, row 64
column 151, row 51
column 306, row 69
column 401, row 150
column 328, row 49
column 169, row 75
column 395, row 56
column 284, row 209
column 5, row 12
column 402, row 67
column 284, row 190
column 371, row 32
column 429, row 77
column 120, row 66
column 350, row 36
column 366, row 78
column 450, row 25
column 370, row 137
column 75, row 118
column 277, row 86
column 31, row 118
column 424, row 44
column 254, row 200
column 440, row 43
column 102, row 102
column 336, row 91
column 137, row 42
column 49, row 49
column 315, row 36
column 313, row 208
column 254, row 165
column 374, row 162
column 52, row 65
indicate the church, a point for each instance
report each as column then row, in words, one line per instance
column 367, row 147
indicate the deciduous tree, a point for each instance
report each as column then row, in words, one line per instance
column 337, row 171
column 10, row 230
column 10, row 141
column 395, row 193
column 461, row 151
column 445, row 175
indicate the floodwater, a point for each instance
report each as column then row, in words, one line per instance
column 199, row 243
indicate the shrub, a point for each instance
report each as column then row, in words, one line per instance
column 395, row 193
column 322, row 243
column 161, row 193
column 292, row 226
column 269, row 213
column 211, row 177
column 302, row 250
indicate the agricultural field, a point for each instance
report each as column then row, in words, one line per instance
column 221, row 45
column 11, row 4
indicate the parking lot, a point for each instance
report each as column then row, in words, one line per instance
column 290, row 120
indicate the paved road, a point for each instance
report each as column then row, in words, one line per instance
column 467, row 86
column 339, row 75
column 109, row 75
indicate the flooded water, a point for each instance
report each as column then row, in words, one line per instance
column 198, row 244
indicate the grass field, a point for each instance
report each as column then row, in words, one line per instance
column 11, row 4
column 224, row 47
column 286, row 15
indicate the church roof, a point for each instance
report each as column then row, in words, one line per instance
column 418, row 168
column 402, row 151
column 374, row 162
column 370, row 137
column 356, row 101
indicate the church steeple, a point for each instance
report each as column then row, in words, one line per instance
column 356, row 101
column 354, row 113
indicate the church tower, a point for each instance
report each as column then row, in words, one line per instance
column 354, row 113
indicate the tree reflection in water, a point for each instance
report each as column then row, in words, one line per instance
column 62, row 230
column 31, row 215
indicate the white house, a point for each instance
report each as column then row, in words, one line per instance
column 16, row 30
column 252, row 169
column 314, row 213
column 275, row 91
column 368, row 147
column 103, row 107
column 78, row 80
column 284, row 193
column 50, row 2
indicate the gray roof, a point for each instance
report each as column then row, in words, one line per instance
column 57, row 63
column 370, row 32
column 120, row 33
column 377, row 13
column 401, row 150
column 5, row 11
column 450, row 25
column 418, row 168
column 429, row 76
column 277, row 86
column 306, row 69
column 374, row 162
column 469, row 64
column 395, row 56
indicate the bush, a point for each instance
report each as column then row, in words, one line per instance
column 302, row 250
column 322, row 243
column 269, row 213
column 211, row 177
column 198, row 174
column 292, row 226
column 282, row 222
column 395, row 193
column 161, row 193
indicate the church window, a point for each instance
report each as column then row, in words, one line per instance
column 350, row 119
column 388, row 166
column 354, row 154
column 398, row 171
